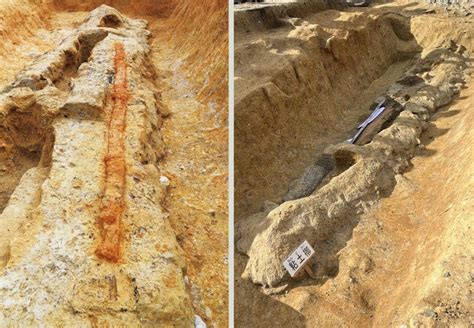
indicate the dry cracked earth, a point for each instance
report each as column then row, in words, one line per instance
column 113, row 164
column 390, row 214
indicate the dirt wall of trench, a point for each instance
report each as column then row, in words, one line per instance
column 295, row 91
column 199, row 33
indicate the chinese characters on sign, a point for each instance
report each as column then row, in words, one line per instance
column 298, row 259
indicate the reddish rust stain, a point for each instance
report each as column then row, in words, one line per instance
column 113, row 205
column 170, row 281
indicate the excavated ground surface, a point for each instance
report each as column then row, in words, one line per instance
column 197, row 200
column 400, row 256
column 189, row 139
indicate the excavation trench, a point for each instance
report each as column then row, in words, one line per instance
column 305, row 84
column 335, row 66
column 89, row 196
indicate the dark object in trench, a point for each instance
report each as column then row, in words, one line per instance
column 311, row 178
column 358, row 3
column 411, row 80
column 380, row 122
column 379, row 109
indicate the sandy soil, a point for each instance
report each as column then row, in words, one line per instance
column 194, row 132
column 196, row 164
column 409, row 247
column 406, row 262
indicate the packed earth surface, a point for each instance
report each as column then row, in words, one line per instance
column 385, row 200
column 113, row 163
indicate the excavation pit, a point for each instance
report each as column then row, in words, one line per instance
column 91, row 101
column 307, row 77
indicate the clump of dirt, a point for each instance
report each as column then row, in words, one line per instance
column 372, row 267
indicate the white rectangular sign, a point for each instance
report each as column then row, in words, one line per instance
column 298, row 259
